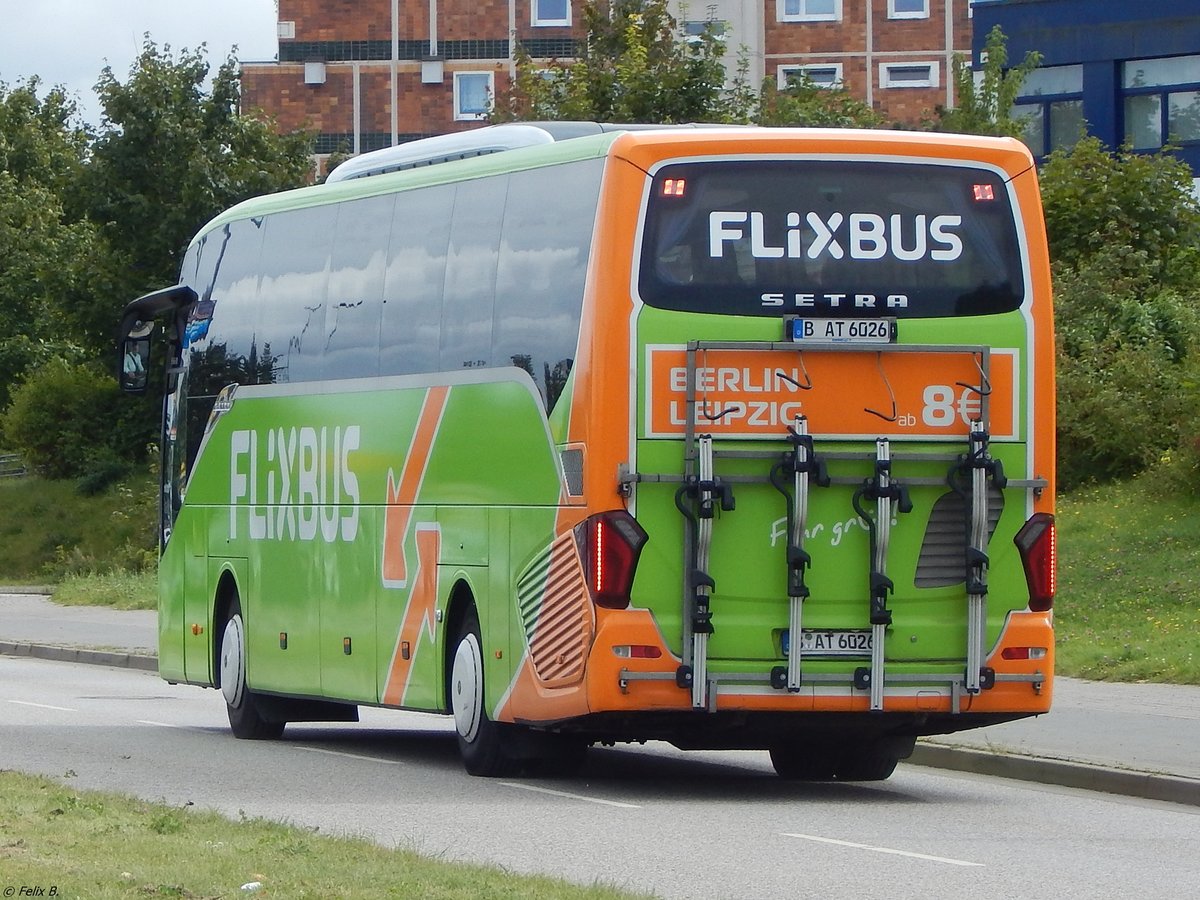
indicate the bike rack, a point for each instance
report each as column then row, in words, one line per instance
column 794, row 472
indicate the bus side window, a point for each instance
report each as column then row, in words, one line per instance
column 470, row 293
column 356, row 278
column 289, row 334
column 411, row 319
column 547, row 234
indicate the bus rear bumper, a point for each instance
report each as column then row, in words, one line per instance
column 621, row 681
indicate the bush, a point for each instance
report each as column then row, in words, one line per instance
column 1119, row 411
column 1123, row 232
column 65, row 420
column 1125, row 360
column 1094, row 199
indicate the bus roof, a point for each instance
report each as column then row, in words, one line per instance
column 459, row 170
column 643, row 147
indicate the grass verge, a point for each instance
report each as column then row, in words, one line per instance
column 1128, row 606
column 50, row 530
column 99, row 846
column 119, row 590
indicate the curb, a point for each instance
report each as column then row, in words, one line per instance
column 81, row 655
column 1040, row 770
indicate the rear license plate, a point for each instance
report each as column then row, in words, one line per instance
column 844, row 331
column 831, row 643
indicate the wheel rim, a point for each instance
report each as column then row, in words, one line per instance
column 466, row 688
column 233, row 668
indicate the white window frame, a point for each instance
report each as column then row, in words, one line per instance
column 722, row 27
column 539, row 22
column 782, row 15
column 934, row 80
column 893, row 14
column 459, row 115
column 785, row 70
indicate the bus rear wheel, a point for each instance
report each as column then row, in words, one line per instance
column 245, row 718
column 804, row 762
column 481, row 741
column 865, row 760
column 874, row 760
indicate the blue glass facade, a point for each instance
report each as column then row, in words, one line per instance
column 1127, row 71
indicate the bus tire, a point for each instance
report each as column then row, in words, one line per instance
column 481, row 742
column 245, row 718
column 872, row 760
column 804, row 761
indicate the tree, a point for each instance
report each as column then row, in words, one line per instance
column 804, row 103
column 42, row 149
column 170, row 155
column 636, row 65
column 985, row 106
column 88, row 222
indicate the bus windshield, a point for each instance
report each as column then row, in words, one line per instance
column 840, row 238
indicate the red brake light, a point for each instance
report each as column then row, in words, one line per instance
column 1024, row 653
column 609, row 545
column 674, row 187
column 1038, row 546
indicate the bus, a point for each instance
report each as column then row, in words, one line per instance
column 734, row 438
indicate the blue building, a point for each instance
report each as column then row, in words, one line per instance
column 1126, row 71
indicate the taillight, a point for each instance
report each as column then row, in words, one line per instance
column 1039, row 553
column 1024, row 653
column 609, row 545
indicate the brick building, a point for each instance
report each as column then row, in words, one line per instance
column 366, row 74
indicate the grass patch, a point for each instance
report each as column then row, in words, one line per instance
column 102, row 846
column 49, row 530
column 119, row 590
column 1128, row 606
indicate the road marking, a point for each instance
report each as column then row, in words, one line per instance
column 176, row 727
column 374, row 759
column 542, row 790
column 941, row 859
column 43, row 705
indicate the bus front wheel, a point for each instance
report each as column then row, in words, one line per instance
column 480, row 740
column 245, row 719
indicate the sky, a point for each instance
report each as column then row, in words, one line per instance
column 68, row 42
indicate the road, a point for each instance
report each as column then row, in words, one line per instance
column 697, row 825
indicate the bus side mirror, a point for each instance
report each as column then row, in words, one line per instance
column 135, row 357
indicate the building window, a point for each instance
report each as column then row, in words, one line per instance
column 694, row 30
column 822, row 75
column 551, row 12
column 808, row 10
column 1051, row 105
column 473, row 94
column 1161, row 101
column 909, row 75
column 908, row 9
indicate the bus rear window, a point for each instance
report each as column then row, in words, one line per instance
column 853, row 238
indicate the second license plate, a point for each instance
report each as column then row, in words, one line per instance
column 831, row 643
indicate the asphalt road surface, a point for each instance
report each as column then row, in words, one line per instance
column 653, row 819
